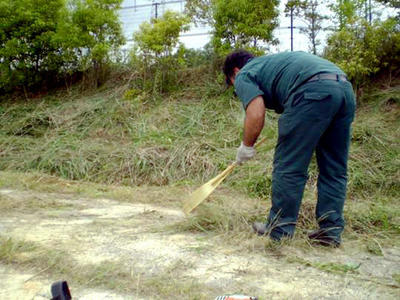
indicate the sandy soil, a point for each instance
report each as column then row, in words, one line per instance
column 139, row 236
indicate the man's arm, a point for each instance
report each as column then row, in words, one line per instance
column 254, row 121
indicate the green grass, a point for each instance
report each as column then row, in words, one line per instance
column 330, row 267
column 396, row 277
column 12, row 251
column 105, row 138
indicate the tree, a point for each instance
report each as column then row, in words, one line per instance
column 154, row 44
column 200, row 11
column 27, row 48
column 243, row 23
column 347, row 11
column 308, row 12
column 362, row 50
column 41, row 41
column 236, row 23
column 92, row 31
column 159, row 36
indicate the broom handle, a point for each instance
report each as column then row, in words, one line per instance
column 232, row 166
column 260, row 142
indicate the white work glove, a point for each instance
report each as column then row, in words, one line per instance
column 244, row 153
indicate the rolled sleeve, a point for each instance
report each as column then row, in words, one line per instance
column 246, row 88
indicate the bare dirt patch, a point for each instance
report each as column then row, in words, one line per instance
column 137, row 251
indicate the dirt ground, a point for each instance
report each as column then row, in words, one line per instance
column 143, row 240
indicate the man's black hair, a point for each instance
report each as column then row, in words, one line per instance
column 236, row 59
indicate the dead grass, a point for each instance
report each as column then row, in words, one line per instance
column 29, row 202
column 224, row 221
column 112, row 275
column 51, row 184
column 227, row 214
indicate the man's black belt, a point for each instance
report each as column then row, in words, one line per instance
column 328, row 76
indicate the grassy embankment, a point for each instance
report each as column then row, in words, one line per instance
column 187, row 137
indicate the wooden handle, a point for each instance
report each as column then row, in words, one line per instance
column 260, row 142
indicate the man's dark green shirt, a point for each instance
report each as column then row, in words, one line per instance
column 275, row 77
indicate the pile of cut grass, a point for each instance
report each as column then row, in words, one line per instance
column 108, row 137
column 105, row 138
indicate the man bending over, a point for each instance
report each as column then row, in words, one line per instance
column 317, row 104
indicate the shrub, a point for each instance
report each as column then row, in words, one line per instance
column 362, row 50
column 42, row 41
column 28, row 52
column 153, row 55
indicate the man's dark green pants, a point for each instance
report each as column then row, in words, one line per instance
column 317, row 117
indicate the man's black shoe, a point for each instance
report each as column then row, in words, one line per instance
column 322, row 237
column 260, row 228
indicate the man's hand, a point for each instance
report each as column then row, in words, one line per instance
column 244, row 153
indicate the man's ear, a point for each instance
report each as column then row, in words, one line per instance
column 236, row 70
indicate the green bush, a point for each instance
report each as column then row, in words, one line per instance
column 362, row 50
column 42, row 41
column 237, row 23
column 28, row 49
column 153, row 53
column 93, row 33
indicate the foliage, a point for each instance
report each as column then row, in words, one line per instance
column 155, row 42
column 194, row 57
column 160, row 36
column 200, row 11
column 308, row 12
column 27, row 48
column 237, row 23
column 41, row 41
column 347, row 11
column 343, row 10
column 348, row 49
column 242, row 24
column 361, row 50
column 92, row 30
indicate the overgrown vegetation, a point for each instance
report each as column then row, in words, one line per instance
column 105, row 138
